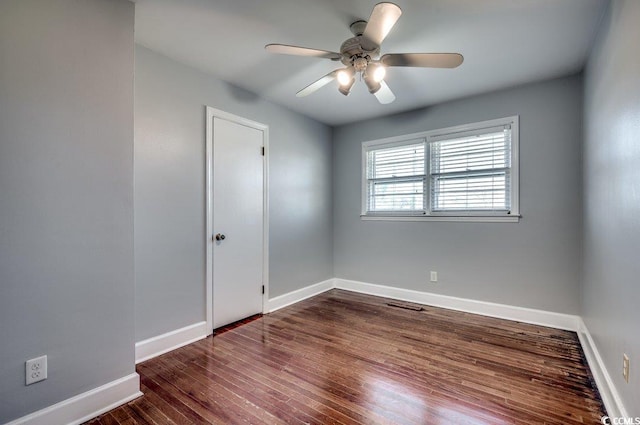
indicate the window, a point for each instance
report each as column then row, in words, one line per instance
column 396, row 178
column 466, row 172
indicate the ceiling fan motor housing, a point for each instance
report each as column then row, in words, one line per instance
column 352, row 49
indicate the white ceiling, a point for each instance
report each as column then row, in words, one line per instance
column 504, row 43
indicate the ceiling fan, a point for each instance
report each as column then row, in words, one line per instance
column 360, row 56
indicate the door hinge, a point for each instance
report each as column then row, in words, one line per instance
column 263, row 151
column 262, row 289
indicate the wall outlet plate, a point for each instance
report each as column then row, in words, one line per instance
column 434, row 276
column 36, row 370
column 625, row 367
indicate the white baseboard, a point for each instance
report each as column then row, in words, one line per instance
column 301, row 294
column 85, row 406
column 608, row 392
column 153, row 347
column 502, row 311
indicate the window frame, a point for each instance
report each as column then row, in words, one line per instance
column 513, row 215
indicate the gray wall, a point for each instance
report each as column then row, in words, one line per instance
column 66, row 197
column 612, row 196
column 534, row 263
column 170, row 191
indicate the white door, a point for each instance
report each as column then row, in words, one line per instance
column 238, row 204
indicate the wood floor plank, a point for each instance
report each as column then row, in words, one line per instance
column 260, row 393
column 300, row 392
column 347, row 358
column 275, row 376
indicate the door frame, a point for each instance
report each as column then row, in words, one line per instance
column 212, row 113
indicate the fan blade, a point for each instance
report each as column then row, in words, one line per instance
column 424, row 60
column 384, row 94
column 285, row 49
column 317, row 84
column 382, row 19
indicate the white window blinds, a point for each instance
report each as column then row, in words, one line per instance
column 468, row 171
column 471, row 171
column 396, row 178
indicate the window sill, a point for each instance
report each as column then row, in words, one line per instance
column 455, row 218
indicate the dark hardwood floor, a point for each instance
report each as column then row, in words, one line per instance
column 347, row 358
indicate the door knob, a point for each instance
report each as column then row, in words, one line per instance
column 220, row 237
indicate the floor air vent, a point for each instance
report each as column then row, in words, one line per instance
column 405, row 306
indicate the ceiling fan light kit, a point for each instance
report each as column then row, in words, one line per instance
column 345, row 76
column 372, row 84
column 378, row 72
column 361, row 56
column 345, row 88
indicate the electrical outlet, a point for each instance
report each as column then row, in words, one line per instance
column 625, row 367
column 36, row 370
column 434, row 276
